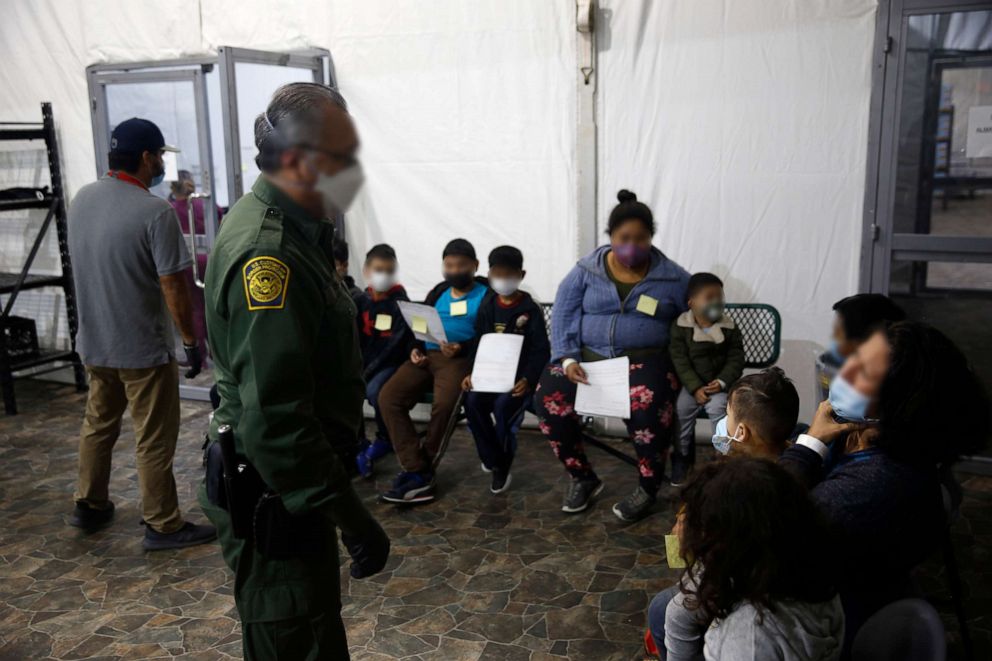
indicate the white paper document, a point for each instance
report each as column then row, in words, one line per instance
column 495, row 368
column 608, row 392
column 424, row 321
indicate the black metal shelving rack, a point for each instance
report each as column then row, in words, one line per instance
column 12, row 284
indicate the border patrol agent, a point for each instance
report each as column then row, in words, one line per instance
column 288, row 369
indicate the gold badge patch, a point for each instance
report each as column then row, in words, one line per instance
column 266, row 279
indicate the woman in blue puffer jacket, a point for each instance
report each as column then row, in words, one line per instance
column 618, row 300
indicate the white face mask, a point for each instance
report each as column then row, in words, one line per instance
column 338, row 190
column 380, row 281
column 504, row 286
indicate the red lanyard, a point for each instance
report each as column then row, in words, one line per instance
column 124, row 176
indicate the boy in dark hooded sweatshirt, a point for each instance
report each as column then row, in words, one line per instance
column 495, row 417
column 385, row 341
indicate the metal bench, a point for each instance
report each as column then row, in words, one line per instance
column 761, row 330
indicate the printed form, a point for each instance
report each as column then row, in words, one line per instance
column 608, row 392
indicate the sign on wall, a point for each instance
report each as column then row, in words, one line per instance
column 979, row 143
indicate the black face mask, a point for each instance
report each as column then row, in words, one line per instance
column 461, row 280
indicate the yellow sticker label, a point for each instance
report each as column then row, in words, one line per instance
column 266, row 280
column 673, row 549
column 419, row 325
column 647, row 305
column 383, row 322
column 458, row 308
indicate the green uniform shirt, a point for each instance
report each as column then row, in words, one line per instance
column 286, row 360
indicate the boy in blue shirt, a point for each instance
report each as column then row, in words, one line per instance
column 435, row 368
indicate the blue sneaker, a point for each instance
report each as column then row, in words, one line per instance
column 411, row 488
column 378, row 449
column 371, row 453
column 362, row 461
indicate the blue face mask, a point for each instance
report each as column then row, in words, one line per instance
column 848, row 403
column 722, row 440
column 156, row 180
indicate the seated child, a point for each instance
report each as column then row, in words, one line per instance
column 708, row 355
column 762, row 410
column 855, row 318
column 506, row 309
column 758, row 584
column 339, row 247
column 432, row 367
column 385, row 341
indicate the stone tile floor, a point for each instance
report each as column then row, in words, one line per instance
column 473, row 576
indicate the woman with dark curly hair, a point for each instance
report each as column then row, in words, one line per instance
column 758, row 583
column 904, row 406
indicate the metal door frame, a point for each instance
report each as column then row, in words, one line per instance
column 318, row 61
column 880, row 245
column 100, row 116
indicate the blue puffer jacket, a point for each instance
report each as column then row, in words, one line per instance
column 588, row 311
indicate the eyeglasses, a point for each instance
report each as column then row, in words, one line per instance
column 346, row 159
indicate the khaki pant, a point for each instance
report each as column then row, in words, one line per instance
column 403, row 391
column 153, row 395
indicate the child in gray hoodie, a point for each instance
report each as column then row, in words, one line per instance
column 757, row 585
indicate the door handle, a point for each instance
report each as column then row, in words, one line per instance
column 191, row 222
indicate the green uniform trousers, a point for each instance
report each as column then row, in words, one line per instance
column 319, row 637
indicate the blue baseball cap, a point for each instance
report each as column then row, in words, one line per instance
column 137, row 135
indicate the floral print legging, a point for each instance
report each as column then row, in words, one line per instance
column 654, row 388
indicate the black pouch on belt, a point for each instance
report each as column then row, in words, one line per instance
column 280, row 535
column 233, row 484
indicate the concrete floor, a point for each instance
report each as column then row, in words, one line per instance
column 473, row 576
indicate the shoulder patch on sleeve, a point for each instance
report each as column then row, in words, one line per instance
column 266, row 280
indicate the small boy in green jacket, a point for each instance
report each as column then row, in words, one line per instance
column 708, row 355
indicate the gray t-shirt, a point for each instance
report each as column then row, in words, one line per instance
column 121, row 239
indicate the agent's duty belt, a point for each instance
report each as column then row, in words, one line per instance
column 257, row 513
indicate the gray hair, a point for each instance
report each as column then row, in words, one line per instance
column 293, row 117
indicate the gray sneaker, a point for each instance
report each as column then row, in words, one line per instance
column 579, row 493
column 635, row 506
column 190, row 534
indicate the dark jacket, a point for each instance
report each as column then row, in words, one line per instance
column 382, row 349
column 700, row 357
column 887, row 516
column 468, row 347
column 527, row 319
column 353, row 289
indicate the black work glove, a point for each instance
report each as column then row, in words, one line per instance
column 195, row 359
column 369, row 552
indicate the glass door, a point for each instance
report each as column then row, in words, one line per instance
column 929, row 220
column 176, row 100
column 248, row 79
column 207, row 107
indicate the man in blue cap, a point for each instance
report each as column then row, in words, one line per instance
column 129, row 255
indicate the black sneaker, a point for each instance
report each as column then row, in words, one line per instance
column 635, row 506
column 579, row 493
column 501, row 481
column 90, row 518
column 190, row 534
column 680, row 470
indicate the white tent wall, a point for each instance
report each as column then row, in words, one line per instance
column 744, row 125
